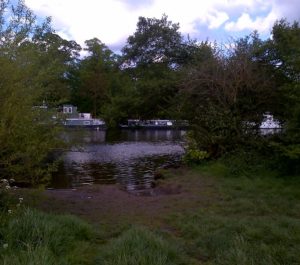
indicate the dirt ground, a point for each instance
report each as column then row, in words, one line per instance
column 103, row 204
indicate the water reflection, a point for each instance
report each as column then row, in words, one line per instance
column 127, row 157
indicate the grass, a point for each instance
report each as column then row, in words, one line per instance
column 253, row 217
column 256, row 221
column 140, row 246
column 32, row 237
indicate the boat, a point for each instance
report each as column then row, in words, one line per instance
column 72, row 118
column 270, row 125
column 154, row 124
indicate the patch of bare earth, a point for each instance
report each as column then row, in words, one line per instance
column 99, row 204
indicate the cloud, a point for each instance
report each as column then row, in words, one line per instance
column 270, row 11
column 112, row 21
column 289, row 9
column 245, row 22
column 136, row 4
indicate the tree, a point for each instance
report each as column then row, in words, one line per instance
column 122, row 101
column 284, row 58
column 27, row 134
column 152, row 57
column 155, row 40
column 54, row 60
column 95, row 77
column 225, row 94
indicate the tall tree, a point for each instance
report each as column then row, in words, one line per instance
column 95, row 79
column 151, row 57
column 155, row 40
column 284, row 58
column 27, row 134
column 55, row 59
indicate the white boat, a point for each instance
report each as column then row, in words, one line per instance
column 75, row 119
column 270, row 125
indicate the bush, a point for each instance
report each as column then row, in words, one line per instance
column 193, row 155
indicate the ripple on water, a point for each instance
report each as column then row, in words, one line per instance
column 129, row 162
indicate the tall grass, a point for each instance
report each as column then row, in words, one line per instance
column 139, row 246
column 32, row 237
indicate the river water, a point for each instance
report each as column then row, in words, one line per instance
column 126, row 157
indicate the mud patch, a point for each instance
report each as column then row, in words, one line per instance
column 109, row 205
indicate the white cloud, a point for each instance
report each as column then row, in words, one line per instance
column 245, row 22
column 112, row 21
column 273, row 10
column 189, row 13
column 217, row 20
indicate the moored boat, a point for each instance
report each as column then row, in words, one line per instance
column 155, row 124
column 84, row 120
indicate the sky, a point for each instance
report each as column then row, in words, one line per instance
column 113, row 21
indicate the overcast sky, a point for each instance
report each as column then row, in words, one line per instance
column 112, row 21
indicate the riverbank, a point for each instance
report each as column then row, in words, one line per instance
column 194, row 216
column 111, row 205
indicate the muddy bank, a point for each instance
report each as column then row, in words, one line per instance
column 108, row 203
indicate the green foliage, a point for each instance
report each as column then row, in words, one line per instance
column 140, row 246
column 284, row 57
column 27, row 134
column 195, row 156
column 192, row 154
column 155, row 40
column 96, row 75
column 286, row 156
column 8, row 204
column 53, row 61
column 122, row 100
column 225, row 94
column 25, row 138
column 247, row 162
column 152, row 57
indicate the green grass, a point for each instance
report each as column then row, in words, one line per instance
column 255, row 221
column 140, row 246
column 32, row 237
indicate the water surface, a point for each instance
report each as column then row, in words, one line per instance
column 127, row 157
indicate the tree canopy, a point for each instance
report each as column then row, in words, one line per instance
column 155, row 40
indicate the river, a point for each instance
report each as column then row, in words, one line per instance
column 128, row 158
